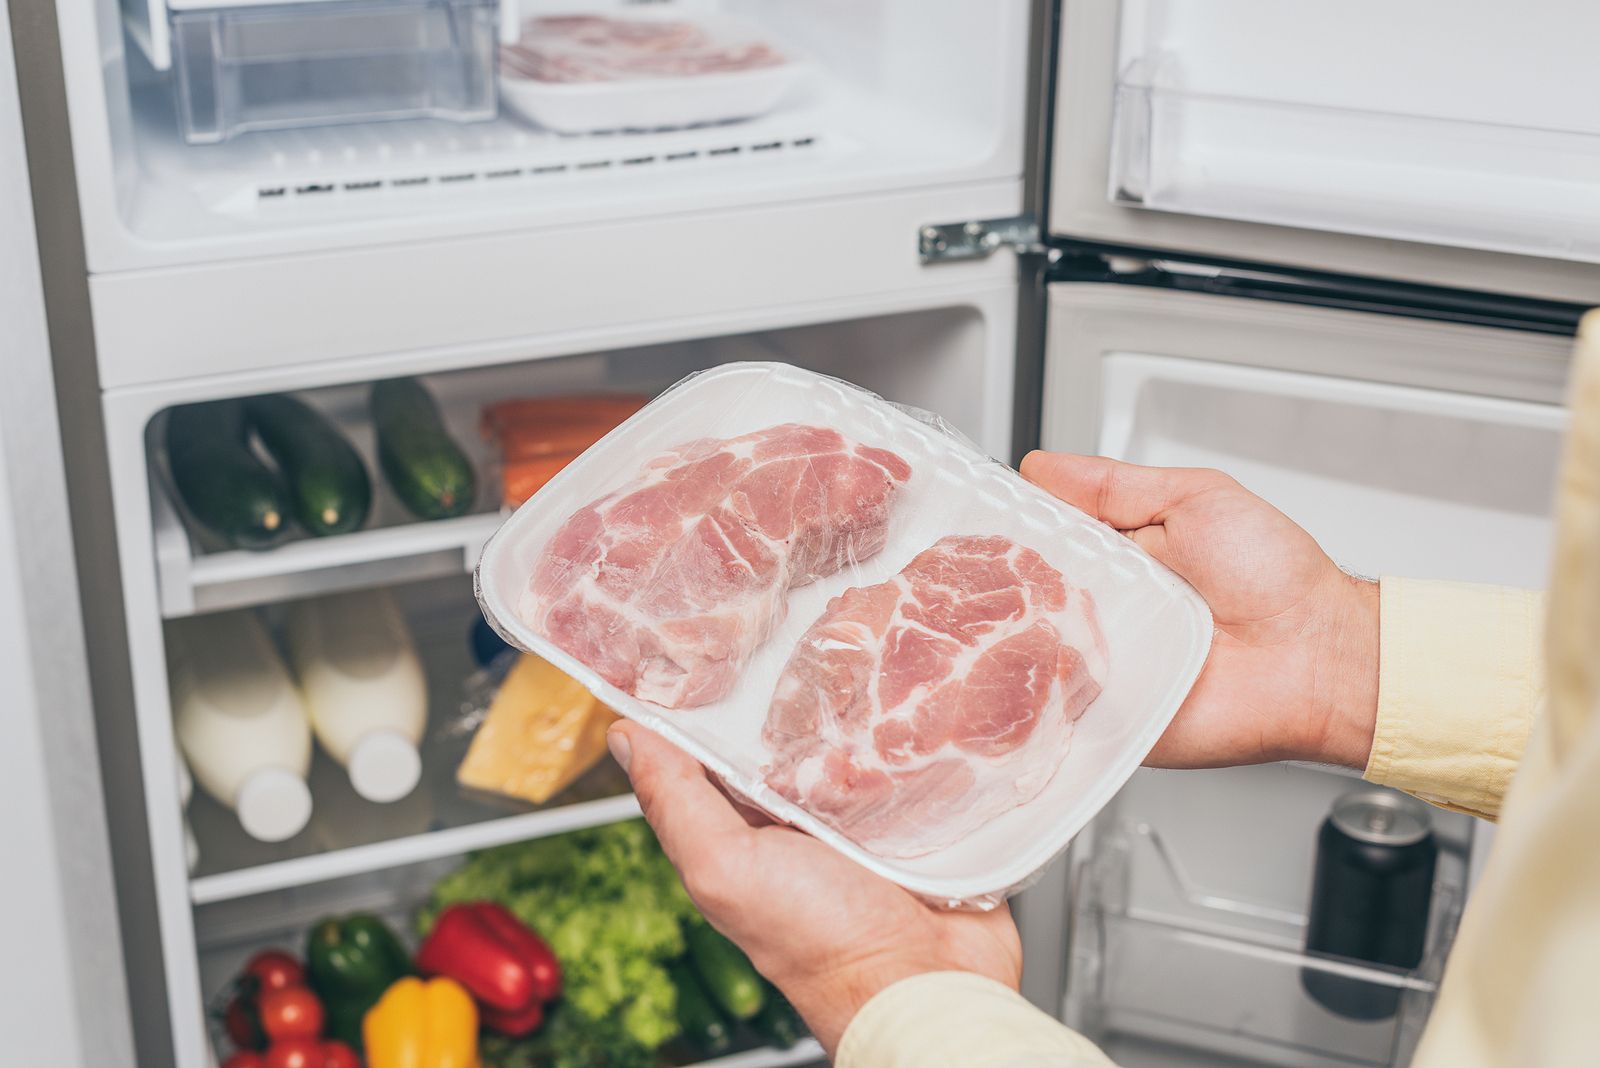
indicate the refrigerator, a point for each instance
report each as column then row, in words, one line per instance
column 1336, row 250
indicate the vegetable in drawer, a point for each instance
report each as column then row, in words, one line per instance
column 222, row 483
column 425, row 467
column 328, row 485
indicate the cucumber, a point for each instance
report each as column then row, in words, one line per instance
column 425, row 467
column 733, row 981
column 705, row 1029
column 328, row 484
column 223, row 484
column 778, row 1023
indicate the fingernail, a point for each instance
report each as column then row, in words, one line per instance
column 621, row 750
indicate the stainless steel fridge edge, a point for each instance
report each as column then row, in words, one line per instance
column 53, row 438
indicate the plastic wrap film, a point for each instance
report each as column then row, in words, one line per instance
column 854, row 618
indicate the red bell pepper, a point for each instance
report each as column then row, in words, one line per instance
column 515, row 1024
column 501, row 962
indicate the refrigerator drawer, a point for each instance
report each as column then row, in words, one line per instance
column 294, row 65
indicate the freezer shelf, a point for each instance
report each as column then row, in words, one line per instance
column 348, row 835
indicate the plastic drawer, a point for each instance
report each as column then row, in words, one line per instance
column 310, row 64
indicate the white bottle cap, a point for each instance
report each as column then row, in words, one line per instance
column 384, row 766
column 273, row 804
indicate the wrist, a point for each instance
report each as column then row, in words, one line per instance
column 828, row 1000
column 1345, row 706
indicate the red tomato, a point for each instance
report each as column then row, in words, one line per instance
column 242, row 1023
column 339, row 1055
column 244, row 1060
column 275, row 970
column 291, row 1013
column 294, row 1053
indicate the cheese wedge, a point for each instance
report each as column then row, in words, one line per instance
column 542, row 731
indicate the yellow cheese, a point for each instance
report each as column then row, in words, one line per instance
column 543, row 730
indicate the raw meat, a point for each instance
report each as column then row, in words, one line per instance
column 666, row 586
column 596, row 48
column 916, row 710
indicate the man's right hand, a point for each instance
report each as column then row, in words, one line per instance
column 1293, row 670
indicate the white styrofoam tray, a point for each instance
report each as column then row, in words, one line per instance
column 1157, row 628
column 656, row 103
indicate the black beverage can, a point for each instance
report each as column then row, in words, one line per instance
column 1370, row 895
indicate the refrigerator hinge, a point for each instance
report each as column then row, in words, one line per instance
column 975, row 239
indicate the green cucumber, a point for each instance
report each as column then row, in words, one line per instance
column 778, row 1023
column 221, row 482
column 425, row 467
column 328, row 484
column 733, row 981
column 705, row 1029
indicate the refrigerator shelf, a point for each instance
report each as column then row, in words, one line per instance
column 231, row 932
column 349, row 835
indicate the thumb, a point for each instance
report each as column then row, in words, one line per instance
column 690, row 816
column 1127, row 496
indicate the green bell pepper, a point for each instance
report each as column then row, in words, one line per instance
column 350, row 961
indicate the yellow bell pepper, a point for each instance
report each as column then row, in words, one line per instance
column 417, row 1024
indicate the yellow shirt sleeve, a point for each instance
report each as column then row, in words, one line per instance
column 960, row 1020
column 1459, row 680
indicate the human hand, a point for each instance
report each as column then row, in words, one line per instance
column 826, row 931
column 1293, row 670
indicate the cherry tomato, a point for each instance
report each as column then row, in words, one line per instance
column 294, row 1053
column 339, row 1055
column 291, row 1013
column 275, row 970
column 244, row 1060
column 243, row 1024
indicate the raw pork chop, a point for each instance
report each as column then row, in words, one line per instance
column 666, row 586
column 916, row 710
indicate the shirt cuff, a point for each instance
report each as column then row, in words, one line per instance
column 951, row 1019
column 1459, row 680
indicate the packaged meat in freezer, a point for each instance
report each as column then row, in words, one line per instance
column 878, row 634
column 642, row 71
column 914, row 711
column 666, row 585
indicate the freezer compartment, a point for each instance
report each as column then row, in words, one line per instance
column 1320, row 119
column 229, row 933
column 878, row 96
column 931, row 359
column 287, row 66
column 439, row 818
column 1188, row 925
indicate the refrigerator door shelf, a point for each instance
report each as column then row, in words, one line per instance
column 1481, row 185
column 1437, row 144
column 1200, row 978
